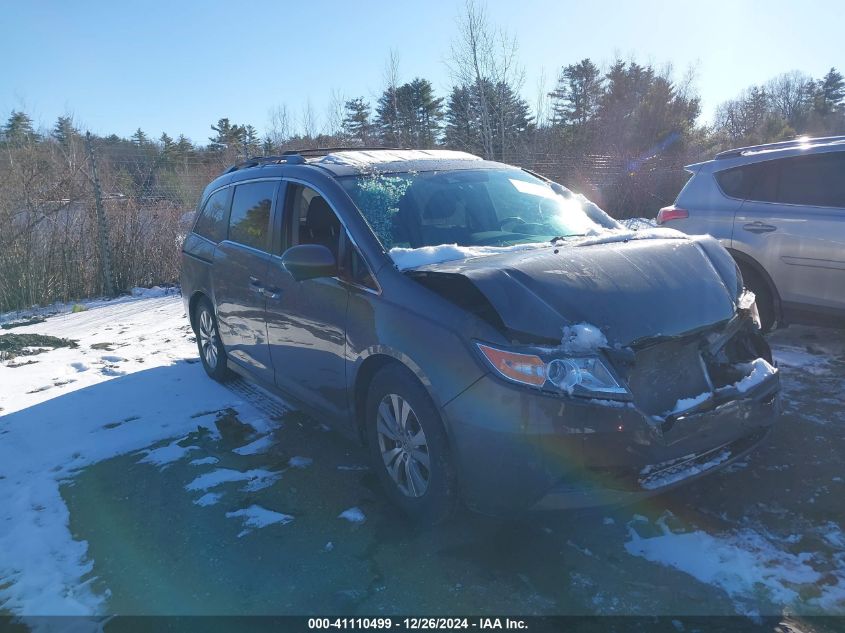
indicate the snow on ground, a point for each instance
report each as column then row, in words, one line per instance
column 72, row 407
column 353, row 515
column 745, row 564
column 256, row 517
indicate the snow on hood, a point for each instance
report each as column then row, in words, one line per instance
column 582, row 337
column 406, row 258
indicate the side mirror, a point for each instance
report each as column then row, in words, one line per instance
column 309, row 261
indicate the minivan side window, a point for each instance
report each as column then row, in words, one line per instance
column 249, row 223
column 816, row 180
column 214, row 217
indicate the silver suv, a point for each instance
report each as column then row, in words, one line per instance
column 779, row 209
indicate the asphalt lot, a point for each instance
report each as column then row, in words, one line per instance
column 763, row 537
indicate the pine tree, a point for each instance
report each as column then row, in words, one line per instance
column 579, row 88
column 410, row 115
column 18, row 129
column 356, row 122
column 249, row 140
column 64, row 130
column 140, row 138
column 228, row 136
column 831, row 92
column 168, row 147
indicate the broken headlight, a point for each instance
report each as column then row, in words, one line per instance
column 588, row 376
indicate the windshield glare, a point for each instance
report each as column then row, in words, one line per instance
column 490, row 207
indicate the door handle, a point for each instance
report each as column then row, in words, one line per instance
column 759, row 227
column 255, row 285
column 272, row 293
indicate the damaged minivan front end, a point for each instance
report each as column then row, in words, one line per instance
column 633, row 396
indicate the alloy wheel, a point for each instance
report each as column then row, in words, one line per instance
column 403, row 446
column 208, row 339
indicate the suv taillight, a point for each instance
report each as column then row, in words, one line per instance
column 671, row 213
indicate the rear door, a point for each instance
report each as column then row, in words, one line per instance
column 793, row 223
column 306, row 320
column 240, row 269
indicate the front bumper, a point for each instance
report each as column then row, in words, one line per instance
column 519, row 449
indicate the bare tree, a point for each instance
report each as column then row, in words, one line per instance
column 335, row 113
column 309, row 121
column 279, row 127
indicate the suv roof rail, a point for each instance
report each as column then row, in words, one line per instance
column 800, row 140
column 323, row 151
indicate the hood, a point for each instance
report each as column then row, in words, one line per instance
column 634, row 290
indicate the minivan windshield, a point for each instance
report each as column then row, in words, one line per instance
column 474, row 207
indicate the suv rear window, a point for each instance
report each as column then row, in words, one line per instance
column 250, row 220
column 214, row 216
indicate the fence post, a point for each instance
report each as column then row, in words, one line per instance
column 102, row 222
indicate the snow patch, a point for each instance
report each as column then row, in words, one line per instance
column 760, row 371
column 209, row 499
column 743, row 564
column 204, row 461
column 300, row 462
column 353, row 515
column 166, row 455
column 582, row 337
column 261, row 445
column 364, row 158
column 256, row 517
column 258, row 479
column 406, row 258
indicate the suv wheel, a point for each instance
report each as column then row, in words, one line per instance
column 408, row 446
column 765, row 301
column 211, row 351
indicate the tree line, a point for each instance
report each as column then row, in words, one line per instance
column 620, row 134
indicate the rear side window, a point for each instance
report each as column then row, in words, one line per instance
column 750, row 182
column 817, row 180
column 214, row 217
column 250, row 219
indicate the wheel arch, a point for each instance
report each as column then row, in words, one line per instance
column 196, row 297
column 378, row 358
column 743, row 259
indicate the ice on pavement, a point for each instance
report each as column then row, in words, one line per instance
column 256, row 517
column 300, row 462
column 353, row 515
column 50, row 433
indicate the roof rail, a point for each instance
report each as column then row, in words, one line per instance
column 257, row 161
column 323, row 151
column 801, row 140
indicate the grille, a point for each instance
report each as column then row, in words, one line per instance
column 665, row 373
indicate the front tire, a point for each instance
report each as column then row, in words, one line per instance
column 212, row 353
column 408, row 446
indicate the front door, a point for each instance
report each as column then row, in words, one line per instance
column 306, row 320
column 240, row 266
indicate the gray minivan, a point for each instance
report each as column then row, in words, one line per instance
column 779, row 209
column 489, row 335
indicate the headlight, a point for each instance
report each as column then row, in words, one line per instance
column 575, row 375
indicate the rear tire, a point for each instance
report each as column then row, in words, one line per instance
column 765, row 301
column 212, row 353
column 408, row 447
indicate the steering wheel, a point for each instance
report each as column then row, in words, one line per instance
column 511, row 223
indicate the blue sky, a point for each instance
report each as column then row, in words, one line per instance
column 178, row 66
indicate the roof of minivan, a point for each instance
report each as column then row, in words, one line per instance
column 755, row 153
